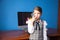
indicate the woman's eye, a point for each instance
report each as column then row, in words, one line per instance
column 34, row 13
column 38, row 13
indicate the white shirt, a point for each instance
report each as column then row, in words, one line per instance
column 31, row 29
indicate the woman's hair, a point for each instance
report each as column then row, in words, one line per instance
column 38, row 8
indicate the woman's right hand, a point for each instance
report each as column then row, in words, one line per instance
column 30, row 20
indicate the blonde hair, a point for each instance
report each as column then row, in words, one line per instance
column 38, row 8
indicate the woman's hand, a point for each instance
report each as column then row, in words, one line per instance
column 30, row 20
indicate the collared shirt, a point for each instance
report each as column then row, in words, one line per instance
column 31, row 29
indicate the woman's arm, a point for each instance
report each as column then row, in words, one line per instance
column 45, row 30
column 30, row 25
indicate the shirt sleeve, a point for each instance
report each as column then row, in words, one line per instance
column 30, row 27
column 45, row 30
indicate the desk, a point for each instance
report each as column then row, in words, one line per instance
column 22, row 35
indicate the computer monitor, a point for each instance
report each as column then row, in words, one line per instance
column 22, row 17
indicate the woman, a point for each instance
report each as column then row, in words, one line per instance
column 36, row 26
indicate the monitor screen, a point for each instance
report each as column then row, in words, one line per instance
column 22, row 17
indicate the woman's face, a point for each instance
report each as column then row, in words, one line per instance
column 36, row 14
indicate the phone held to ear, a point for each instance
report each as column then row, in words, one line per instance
column 30, row 18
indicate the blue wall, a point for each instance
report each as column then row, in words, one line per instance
column 0, row 13
column 10, row 8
